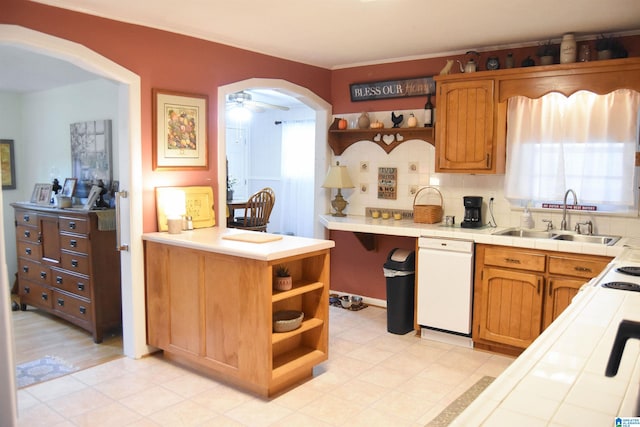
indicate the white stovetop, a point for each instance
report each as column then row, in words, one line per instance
column 559, row 380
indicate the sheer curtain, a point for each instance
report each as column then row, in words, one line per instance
column 298, row 141
column 585, row 142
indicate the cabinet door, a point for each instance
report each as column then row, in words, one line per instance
column 465, row 128
column 560, row 292
column 50, row 238
column 511, row 307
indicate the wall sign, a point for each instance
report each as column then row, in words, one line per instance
column 402, row 88
column 387, row 183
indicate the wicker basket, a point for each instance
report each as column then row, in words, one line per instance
column 287, row 320
column 427, row 214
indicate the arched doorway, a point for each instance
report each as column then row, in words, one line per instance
column 322, row 119
column 130, row 159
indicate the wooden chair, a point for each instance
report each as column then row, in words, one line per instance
column 256, row 212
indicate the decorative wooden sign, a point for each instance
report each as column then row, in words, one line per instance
column 420, row 86
column 387, row 183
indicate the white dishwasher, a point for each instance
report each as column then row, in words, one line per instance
column 445, row 284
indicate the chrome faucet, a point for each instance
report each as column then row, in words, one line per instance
column 549, row 224
column 563, row 223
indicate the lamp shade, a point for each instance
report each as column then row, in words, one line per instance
column 337, row 177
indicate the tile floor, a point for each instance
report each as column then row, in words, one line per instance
column 372, row 378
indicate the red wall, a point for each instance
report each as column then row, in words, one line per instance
column 167, row 61
column 357, row 271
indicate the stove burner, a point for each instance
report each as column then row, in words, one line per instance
column 632, row 271
column 624, row 286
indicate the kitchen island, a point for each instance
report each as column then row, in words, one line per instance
column 210, row 304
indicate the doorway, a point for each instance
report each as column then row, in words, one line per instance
column 130, row 160
column 321, row 115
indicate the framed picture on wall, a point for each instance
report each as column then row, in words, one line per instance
column 8, row 164
column 179, row 131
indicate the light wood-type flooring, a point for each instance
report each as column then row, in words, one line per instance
column 37, row 334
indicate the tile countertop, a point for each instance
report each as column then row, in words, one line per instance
column 408, row 228
column 559, row 380
column 211, row 240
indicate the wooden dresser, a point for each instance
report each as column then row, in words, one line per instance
column 68, row 265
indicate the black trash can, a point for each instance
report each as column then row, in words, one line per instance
column 399, row 271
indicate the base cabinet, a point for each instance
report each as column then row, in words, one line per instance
column 68, row 265
column 519, row 292
column 213, row 312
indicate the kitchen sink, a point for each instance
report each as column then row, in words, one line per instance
column 517, row 232
column 567, row 236
column 584, row 238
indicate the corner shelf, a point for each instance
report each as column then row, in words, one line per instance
column 387, row 138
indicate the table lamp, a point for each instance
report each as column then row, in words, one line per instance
column 338, row 177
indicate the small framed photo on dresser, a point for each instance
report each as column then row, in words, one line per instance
column 69, row 187
column 41, row 194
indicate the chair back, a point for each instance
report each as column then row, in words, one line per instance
column 256, row 212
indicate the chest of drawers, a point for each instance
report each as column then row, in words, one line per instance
column 68, row 266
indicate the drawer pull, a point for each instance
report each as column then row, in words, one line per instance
column 512, row 260
column 27, row 290
column 72, row 225
column 60, row 302
column 59, row 280
column 74, row 263
column 582, row 269
column 26, row 218
column 27, row 233
column 43, row 274
column 81, row 286
column 25, row 268
column 27, row 251
column 73, row 243
column 83, row 310
column 45, row 297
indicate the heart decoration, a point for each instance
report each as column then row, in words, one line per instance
column 377, row 138
column 388, row 139
column 399, row 137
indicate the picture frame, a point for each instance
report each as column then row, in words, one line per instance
column 93, row 196
column 180, row 140
column 7, row 164
column 41, row 194
column 69, row 187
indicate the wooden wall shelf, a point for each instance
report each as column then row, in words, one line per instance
column 386, row 138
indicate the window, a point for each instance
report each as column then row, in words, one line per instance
column 586, row 142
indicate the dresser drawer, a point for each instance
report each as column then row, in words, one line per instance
column 514, row 259
column 35, row 294
column 34, row 271
column 26, row 218
column 579, row 267
column 71, row 283
column 73, row 306
column 74, row 243
column 77, row 263
column 29, row 250
column 27, row 233
column 73, row 225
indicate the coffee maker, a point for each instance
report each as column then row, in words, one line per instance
column 472, row 212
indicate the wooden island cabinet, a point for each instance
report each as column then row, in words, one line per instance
column 68, row 265
column 210, row 303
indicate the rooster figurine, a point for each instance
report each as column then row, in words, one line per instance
column 396, row 119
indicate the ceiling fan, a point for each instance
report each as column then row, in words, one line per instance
column 244, row 99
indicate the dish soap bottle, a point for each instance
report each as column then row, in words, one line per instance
column 526, row 220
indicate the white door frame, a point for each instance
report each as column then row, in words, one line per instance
column 322, row 155
column 130, row 162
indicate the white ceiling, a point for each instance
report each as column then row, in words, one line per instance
column 335, row 34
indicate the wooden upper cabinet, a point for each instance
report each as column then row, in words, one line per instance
column 465, row 134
